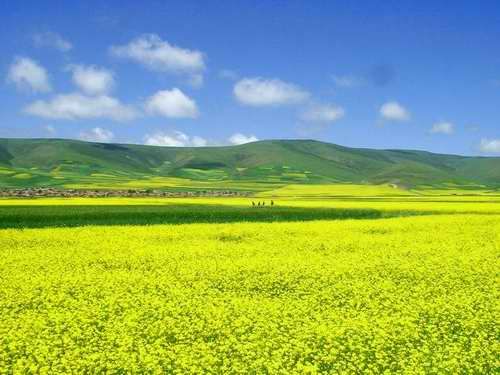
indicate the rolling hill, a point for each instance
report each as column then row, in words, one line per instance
column 254, row 166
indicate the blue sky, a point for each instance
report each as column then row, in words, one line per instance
column 392, row 74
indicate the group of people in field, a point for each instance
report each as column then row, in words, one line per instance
column 262, row 204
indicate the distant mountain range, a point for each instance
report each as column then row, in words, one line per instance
column 52, row 162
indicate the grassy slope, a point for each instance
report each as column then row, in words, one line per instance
column 38, row 162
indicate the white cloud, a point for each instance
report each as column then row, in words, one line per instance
column 159, row 55
column 323, row 113
column 171, row 103
column 97, row 135
column 491, row 146
column 394, row 111
column 268, row 92
column 26, row 73
column 179, row 139
column 443, row 128
column 52, row 40
column 239, row 139
column 76, row 106
column 348, row 81
column 174, row 139
column 92, row 80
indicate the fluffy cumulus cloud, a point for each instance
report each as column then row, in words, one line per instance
column 97, row 135
column 179, row 139
column 259, row 92
column 323, row 113
column 159, row 55
column 239, row 139
column 27, row 74
column 92, row 80
column 76, row 106
column 171, row 103
column 52, row 40
column 443, row 127
column 394, row 111
column 490, row 146
column 174, row 139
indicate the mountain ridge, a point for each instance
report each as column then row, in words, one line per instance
column 55, row 161
column 280, row 140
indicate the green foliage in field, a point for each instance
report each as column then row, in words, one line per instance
column 400, row 295
column 275, row 164
column 40, row 216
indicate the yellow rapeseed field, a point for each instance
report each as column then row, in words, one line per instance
column 415, row 294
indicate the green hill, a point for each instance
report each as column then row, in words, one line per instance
column 252, row 166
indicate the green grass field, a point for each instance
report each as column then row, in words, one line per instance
column 349, row 284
